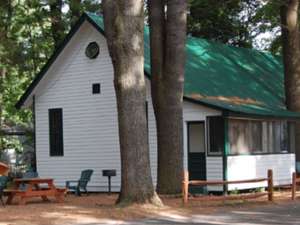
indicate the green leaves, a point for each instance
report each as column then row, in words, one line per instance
column 26, row 43
column 242, row 23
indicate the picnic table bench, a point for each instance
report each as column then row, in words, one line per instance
column 31, row 188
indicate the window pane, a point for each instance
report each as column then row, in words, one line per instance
column 291, row 127
column 216, row 134
column 284, row 136
column 256, row 136
column 196, row 137
column 276, row 136
column 265, row 134
column 55, row 132
column 237, row 137
column 245, row 136
column 270, row 137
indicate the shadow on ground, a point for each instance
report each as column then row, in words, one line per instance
column 285, row 214
column 98, row 209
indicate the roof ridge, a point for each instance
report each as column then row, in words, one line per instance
column 190, row 37
column 212, row 70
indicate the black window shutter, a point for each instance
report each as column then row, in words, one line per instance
column 146, row 108
column 56, row 132
column 216, row 134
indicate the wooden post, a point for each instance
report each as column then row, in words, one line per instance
column 185, row 187
column 294, row 185
column 270, row 185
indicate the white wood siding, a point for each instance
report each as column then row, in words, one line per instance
column 256, row 166
column 89, row 121
column 194, row 112
column 214, row 171
column 152, row 134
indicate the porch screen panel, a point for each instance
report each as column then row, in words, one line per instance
column 291, row 135
column 56, row 132
column 276, row 137
column 284, row 137
column 255, row 130
column 216, row 135
column 245, row 136
column 253, row 136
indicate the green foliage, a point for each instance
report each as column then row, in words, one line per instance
column 26, row 42
column 226, row 21
column 235, row 192
column 268, row 20
column 243, row 23
column 77, row 7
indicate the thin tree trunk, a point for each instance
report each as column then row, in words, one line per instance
column 75, row 8
column 2, row 77
column 124, row 26
column 6, row 6
column 167, row 34
column 57, row 25
column 291, row 59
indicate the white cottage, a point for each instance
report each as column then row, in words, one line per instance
column 236, row 125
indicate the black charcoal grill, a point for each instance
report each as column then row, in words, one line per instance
column 109, row 174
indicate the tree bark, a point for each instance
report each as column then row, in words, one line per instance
column 6, row 10
column 124, row 27
column 167, row 37
column 75, row 8
column 291, row 60
column 57, row 25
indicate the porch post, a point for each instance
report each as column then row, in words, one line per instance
column 225, row 154
column 185, row 148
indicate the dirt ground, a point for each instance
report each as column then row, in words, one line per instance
column 100, row 209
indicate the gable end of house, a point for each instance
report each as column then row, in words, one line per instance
column 54, row 56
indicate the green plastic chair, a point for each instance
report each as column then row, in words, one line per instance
column 80, row 184
column 298, row 167
column 3, row 183
column 28, row 174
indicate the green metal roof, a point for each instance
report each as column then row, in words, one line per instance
column 240, row 80
column 235, row 80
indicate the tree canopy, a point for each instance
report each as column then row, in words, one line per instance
column 242, row 23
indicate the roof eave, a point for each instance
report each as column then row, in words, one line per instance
column 229, row 113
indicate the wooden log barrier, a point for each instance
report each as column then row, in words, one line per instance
column 295, row 181
column 186, row 183
column 270, row 185
column 185, row 187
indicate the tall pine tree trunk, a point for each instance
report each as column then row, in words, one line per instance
column 57, row 25
column 167, row 35
column 291, row 59
column 124, row 27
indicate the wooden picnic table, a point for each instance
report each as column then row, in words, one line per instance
column 31, row 188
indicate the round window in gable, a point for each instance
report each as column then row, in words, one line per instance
column 92, row 50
